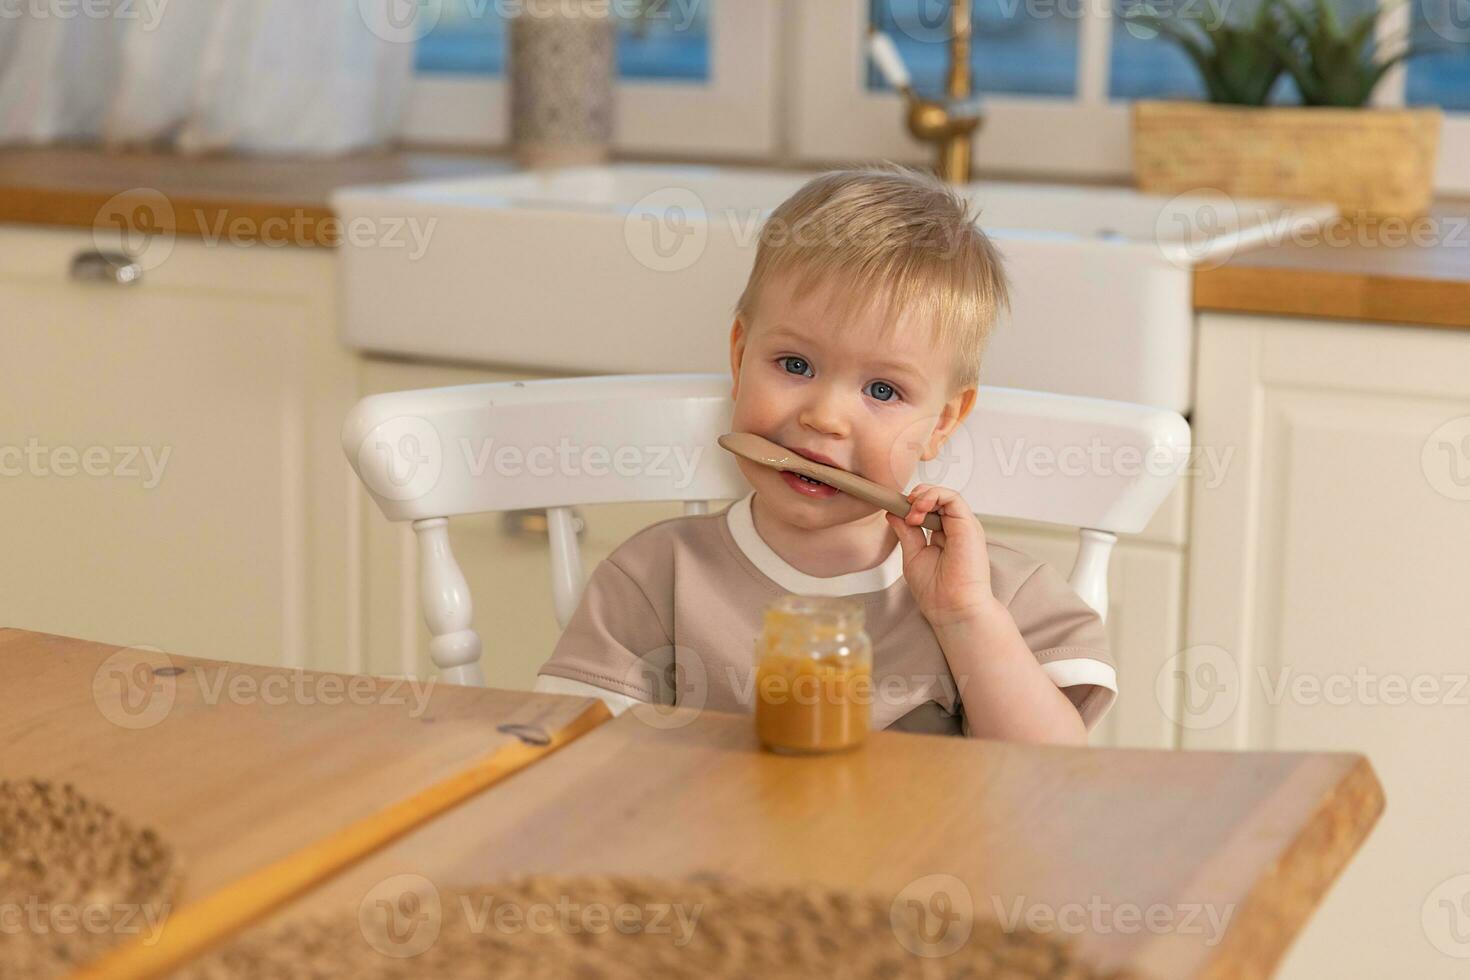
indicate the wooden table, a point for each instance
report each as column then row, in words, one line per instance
column 1198, row 864
column 1084, row 835
column 234, row 765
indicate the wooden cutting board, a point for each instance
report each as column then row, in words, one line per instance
column 237, row 766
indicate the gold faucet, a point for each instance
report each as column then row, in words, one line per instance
column 949, row 124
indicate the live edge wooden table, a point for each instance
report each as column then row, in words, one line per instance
column 1175, row 864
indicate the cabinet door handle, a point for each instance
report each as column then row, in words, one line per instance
column 117, row 268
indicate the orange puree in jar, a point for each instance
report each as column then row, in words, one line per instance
column 814, row 676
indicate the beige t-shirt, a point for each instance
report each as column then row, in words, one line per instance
column 672, row 616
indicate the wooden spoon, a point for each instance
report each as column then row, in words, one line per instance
column 765, row 452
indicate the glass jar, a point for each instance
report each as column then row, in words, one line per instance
column 813, row 676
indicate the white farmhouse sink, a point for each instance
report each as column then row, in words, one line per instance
column 636, row 268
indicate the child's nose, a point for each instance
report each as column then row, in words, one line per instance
column 825, row 411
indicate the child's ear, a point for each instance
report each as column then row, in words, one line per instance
column 950, row 416
column 737, row 354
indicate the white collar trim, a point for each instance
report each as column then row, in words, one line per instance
column 742, row 528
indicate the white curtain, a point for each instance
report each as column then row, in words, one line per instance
column 256, row 76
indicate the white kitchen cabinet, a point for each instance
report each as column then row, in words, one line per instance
column 1328, row 582
column 171, row 470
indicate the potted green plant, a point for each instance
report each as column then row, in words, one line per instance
column 1370, row 162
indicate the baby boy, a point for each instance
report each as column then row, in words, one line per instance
column 856, row 343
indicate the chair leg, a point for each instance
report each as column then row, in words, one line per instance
column 1090, row 572
column 445, row 595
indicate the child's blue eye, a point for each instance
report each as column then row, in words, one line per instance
column 882, row 391
column 796, row 365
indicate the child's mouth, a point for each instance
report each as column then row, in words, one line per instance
column 808, row 487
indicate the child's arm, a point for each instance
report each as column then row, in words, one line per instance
column 615, row 647
column 616, row 703
column 1004, row 689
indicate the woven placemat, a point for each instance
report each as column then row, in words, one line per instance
column 75, row 879
column 626, row 927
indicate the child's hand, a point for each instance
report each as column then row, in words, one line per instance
column 950, row 575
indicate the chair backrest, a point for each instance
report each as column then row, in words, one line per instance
column 425, row 456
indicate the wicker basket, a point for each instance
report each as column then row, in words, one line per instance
column 1369, row 162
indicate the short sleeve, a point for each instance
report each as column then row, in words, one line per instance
column 1069, row 640
column 615, row 640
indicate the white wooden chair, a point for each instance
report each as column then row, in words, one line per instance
column 429, row 455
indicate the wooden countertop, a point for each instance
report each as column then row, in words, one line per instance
column 255, row 198
column 1253, row 836
column 1392, row 272
column 238, row 766
column 1417, row 274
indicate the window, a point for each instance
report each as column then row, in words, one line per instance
column 1010, row 51
column 470, row 39
column 693, row 77
column 1441, row 78
column 1057, row 76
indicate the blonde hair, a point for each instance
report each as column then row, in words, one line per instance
column 888, row 232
